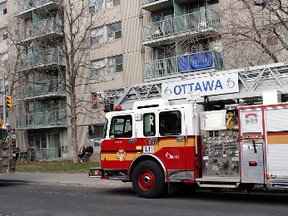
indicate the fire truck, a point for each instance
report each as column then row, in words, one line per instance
column 219, row 129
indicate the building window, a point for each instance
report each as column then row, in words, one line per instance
column 97, row 36
column 111, row 3
column 107, row 33
column 3, row 34
column 103, row 67
column 114, row 31
column 95, row 133
column 98, row 68
column 96, row 5
column 3, row 58
column 119, row 63
column 115, row 64
column 3, row 8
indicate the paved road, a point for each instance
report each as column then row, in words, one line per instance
column 37, row 200
column 38, row 194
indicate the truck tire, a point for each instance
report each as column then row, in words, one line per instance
column 148, row 180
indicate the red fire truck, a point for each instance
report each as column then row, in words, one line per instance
column 220, row 130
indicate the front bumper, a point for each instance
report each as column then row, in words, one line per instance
column 95, row 172
column 98, row 172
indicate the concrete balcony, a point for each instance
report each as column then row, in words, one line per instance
column 156, row 5
column 23, row 8
column 42, row 58
column 166, row 31
column 48, row 119
column 40, row 29
column 183, row 64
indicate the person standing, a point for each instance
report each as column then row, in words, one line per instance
column 82, row 152
column 17, row 152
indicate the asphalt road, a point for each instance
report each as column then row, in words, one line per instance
column 37, row 200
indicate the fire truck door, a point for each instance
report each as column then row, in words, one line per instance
column 252, row 161
column 172, row 145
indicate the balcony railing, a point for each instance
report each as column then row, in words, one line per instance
column 43, row 27
column 41, row 58
column 46, row 153
column 50, row 87
column 195, row 21
column 184, row 63
column 24, row 5
column 42, row 119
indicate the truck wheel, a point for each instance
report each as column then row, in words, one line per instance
column 148, row 180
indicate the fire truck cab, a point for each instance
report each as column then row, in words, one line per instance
column 151, row 144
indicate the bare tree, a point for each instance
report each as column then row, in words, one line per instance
column 254, row 32
column 78, row 22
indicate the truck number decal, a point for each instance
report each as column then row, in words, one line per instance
column 148, row 149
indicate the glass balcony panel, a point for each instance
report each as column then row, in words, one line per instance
column 42, row 57
column 181, row 24
column 47, row 153
column 47, row 88
column 183, row 63
column 42, row 119
column 43, row 27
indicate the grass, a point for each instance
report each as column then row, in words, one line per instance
column 61, row 166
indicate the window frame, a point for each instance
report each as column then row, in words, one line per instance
column 127, row 127
column 3, row 8
column 114, row 31
column 96, row 5
column 97, row 36
column 99, row 70
column 149, row 133
column 105, row 5
column 173, row 123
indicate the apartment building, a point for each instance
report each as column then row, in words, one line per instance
column 132, row 41
column 3, row 43
column 41, row 114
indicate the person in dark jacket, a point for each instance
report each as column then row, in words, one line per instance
column 88, row 152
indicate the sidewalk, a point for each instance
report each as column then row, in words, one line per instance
column 76, row 179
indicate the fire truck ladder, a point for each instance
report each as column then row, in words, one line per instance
column 252, row 82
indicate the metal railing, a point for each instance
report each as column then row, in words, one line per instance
column 39, row 28
column 23, row 5
column 183, row 63
column 42, row 119
column 41, row 57
column 195, row 21
column 46, row 153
